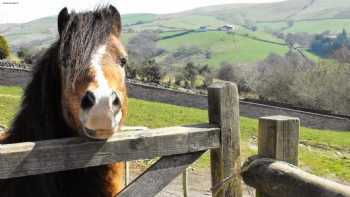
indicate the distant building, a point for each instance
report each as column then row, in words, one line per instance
column 203, row 29
column 228, row 28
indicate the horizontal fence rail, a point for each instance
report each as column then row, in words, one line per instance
column 32, row 158
column 274, row 172
column 280, row 179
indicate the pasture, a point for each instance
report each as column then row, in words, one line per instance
column 224, row 47
column 325, row 153
column 311, row 26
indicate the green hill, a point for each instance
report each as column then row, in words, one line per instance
column 279, row 11
column 132, row 19
column 310, row 26
column 313, row 16
column 224, row 47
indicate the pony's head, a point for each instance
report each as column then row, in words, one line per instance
column 92, row 58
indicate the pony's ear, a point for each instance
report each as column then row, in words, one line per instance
column 63, row 18
column 117, row 19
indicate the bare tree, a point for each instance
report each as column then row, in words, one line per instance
column 342, row 55
column 142, row 49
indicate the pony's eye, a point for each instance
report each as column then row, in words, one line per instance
column 123, row 61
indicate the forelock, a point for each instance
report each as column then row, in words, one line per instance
column 81, row 37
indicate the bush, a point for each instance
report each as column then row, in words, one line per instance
column 234, row 73
column 276, row 74
column 4, row 48
column 325, row 86
column 153, row 73
column 294, row 80
column 342, row 55
column 190, row 74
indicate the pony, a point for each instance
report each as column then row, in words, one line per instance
column 77, row 89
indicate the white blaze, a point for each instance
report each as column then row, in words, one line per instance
column 103, row 90
column 103, row 110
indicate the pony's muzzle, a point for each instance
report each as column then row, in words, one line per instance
column 100, row 115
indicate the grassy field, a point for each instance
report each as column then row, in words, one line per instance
column 131, row 19
column 228, row 47
column 331, row 160
column 225, row 47
column 186, row 22
column 312, row 27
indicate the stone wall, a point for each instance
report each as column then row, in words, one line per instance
column 14, row 76
column 20, row 77
column 247, row 109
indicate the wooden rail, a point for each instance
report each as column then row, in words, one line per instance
column 273, row 171
column 34, row 158
column 280, row 179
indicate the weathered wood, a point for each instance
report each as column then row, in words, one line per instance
column 159, row 175
column 280, row 179
column 278, row 138
column 185, row 182
column 126, row 173
column 223, row 104
column 31, row 158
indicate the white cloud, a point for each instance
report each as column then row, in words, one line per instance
column 27, row 10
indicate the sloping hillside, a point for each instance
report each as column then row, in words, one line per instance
column 313, row 16
column 42, row 32
column 280, row 11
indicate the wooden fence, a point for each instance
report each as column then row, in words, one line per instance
column 273, row 171
column 178, row 147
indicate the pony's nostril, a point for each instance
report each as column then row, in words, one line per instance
column 88, row 100
column 115, row 98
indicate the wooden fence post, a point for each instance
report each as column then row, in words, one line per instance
column 223, row 102
column 278, row 138
column 126, row 173
column 185, row 182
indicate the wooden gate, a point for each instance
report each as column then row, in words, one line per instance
column 178, row 147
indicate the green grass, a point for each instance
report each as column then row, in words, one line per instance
column 181, row 22
column 229, row 47
column 326, row 138
column 225, row 47
column 335, row 26
column 332, row 162
column 149, row 114
column 131, row 19
column 312, row 27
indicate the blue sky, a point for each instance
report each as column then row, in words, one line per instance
column 18, row 11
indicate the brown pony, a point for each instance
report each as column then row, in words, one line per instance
column 77, row 89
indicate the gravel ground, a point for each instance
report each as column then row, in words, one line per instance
column 199, row 185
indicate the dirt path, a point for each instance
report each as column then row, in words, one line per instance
column 199, row 185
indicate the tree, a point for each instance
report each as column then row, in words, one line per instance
column 152, row 72
column 342, row 55
column 341, row 40
column 230, row 72
column 206, row 72
column 4, row 48
column 251, row 24
column 290, row 23
column 234, row 73
column 325, row 86
column 190, row 73
column 143, row 46
column 275, row 78
column 142, row 50
column 324, row 45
